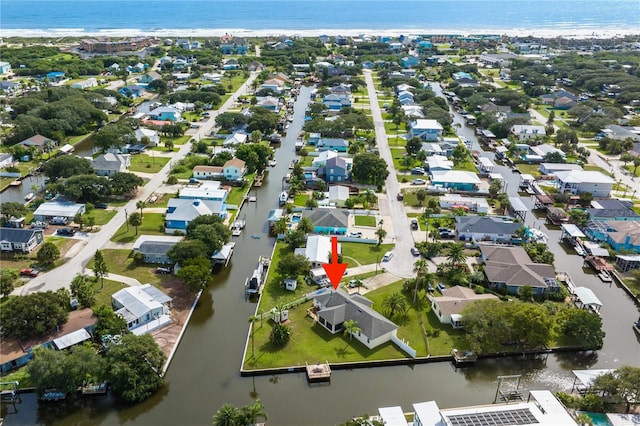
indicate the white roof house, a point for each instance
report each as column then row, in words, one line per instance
column 207, row 190
column 338, row 193
column 439, row 162
column 323, row 157
column 526, row 131
column 110, row 163
column 581, row 181
column 152, row 135
column 180, row 212
column 235, row 139
column 140, row 305
column 55, row 208
column 392, row 416
column 154, row 248
column 71, row 339
column 317, row 250
column 552, row 168
column 426, row 129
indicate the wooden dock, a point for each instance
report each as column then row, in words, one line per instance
column 318, row 372
column 463, row 358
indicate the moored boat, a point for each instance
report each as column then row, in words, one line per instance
column 605, row 276
column 30, row 196
column 282, row 199
column 253, row 285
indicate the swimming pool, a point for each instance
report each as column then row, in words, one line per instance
column 296, row 218
column 598, row 419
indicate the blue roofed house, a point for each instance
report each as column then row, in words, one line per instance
column 410, row 61
column 427, row 130
column 55, row 76
column 180, row 212
column 337, row 169
column 234, row 169
column 165, row 113
column 314, row 138
column 328, row 220
column 336, row 102
column 424, row 45
column 131, row 91
column 333, row 144
column 20, row 240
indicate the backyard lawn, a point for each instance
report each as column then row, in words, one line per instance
column 364, row 254
column 102, row 216
column 144, row 163
column 119, row 262
column 152, row 224
column 365, row 221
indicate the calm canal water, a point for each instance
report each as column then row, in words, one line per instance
column 205, row 371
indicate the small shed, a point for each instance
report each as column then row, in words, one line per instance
column 71, row 339
column 290, row 284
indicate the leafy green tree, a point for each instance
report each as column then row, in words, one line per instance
column 495, row 188
column 82, row 289
column 11, row 209
column 292, row 265
column 526, row 293
column 109, row 322
column 113, row 135
column 214, row 236
column 369, row 168
column 228, row 415
column 622, row 384
column 135, row 367
column 230, row 120
column 33, row 315
column 311, row 203
column 48, row 254
column 421, row 195
column 66, row 166
column 158, row 85
column 85, row 188
column 100, row 268
column 583, row 326
column 414, row 145
column 252, row 412
column 394, row 303
column 306, row 225
column 186, row 250
column 122, row 183
column 456, row 254
column 636, row 164
column 135, row 220
column 48, row 369
column 350, row 327
column 8, row 280
column 280, row 335
column 296, row 238
column 196, row 273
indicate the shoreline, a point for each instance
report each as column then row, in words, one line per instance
column 244, row 32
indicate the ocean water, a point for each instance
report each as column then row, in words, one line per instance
column 458, row 16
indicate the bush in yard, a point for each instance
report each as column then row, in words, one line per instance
column 280, row 335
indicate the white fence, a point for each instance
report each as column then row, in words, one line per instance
column 403, row 346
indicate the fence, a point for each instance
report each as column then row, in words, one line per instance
column 404, row 346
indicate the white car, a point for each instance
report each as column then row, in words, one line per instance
column 418, row 182
column 273, row 163
column 387, row 256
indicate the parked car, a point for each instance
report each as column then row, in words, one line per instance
column 59, row 220
column 66, row 231
column 447, row 234
column 163, row 270
column 354, row 235
column 101, row 205
column 415, row 251
column 441, row 287
column 399, row 197
column 418, row 182
column 414, row 224
column 39, row 225
column 417, row 171
column 387, row 256
column 29, row 272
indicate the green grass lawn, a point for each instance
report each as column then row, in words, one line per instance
column 365, row 254
column 592, row 168
column 468, row 166
column 306, row 161
column 236, row 195
column 152, row 224
column 102, row 217
column 103, row 295
column 176, row 141
column 119, row 262
column 147, row 164
column 300, row 200
column 532, row 169
column 366, row 221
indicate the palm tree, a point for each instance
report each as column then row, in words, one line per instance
column 305, row 225
column 252, row 412
column 281, row 226
column 311, row 203
column 636, row 164
column 394, row 303
column 421, row 195
column 135, row 219
column 252, row 321
column 420, row 267
column 350, row 327
column 381, row 234
column 227, row 415
column 141, row 205
column 456, row 254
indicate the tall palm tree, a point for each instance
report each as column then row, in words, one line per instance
column 141, row 205
column 252, row 321
column 306, row 225
column 456, row 254
column 420, row 267
column 394, row 303
column 421, row 195
column 252, row 412
column 350, row 327
column 281, row 226
column 227, row 415
column 381, row 234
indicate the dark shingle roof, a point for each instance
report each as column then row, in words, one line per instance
column 486, row 225
column 328, row 218
column 17, row 235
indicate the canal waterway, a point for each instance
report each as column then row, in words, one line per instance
column 205, row 370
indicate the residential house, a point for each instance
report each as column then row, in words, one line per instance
column 154, row 248
column 337, row 195
column 525, row 132
column 180, row 212
column 184, row 43
column 152, row 136
column 114, row 67
column 412, row 111
column 77, row 329
column 472, row 204
column 410, row 61
column 110, row 163
column 41, row 142
column 431, row 148
column 213, row 77
column 621, row 133
column 405, row 98
column 273, row 84
column 9, row 87
column 512, row 268
column 427, row 130
column 144, row 307
column 236, row 138
column 231, row 64
column 20, row 240
column 612, row 210
column 459, row 180
column 234, row 169
column 6, row 160
column 621, row 235
column 55, row 76
column 58, row 208
column 321, row 160
column 274, row 216
column 333, row 144
column 581, row 181
column 438, row 163
column 449, row 144
column 449, row 306
column 332, row 308
column 269, row 102
column 132, row 91
column 628, row 262
column 238, row 46
column 5, row 67
column 337, row 169
column 485, row 228
column 165, row 113
column 328, row 221
column 341, row 90
column 317, row 251
column 336, row 102
column 464, row 79
column 207, row 172
column 314, row 138
column 560, row 99
column 552, row 168
column 85, row 84
column 149, row 77
column 496, row 60
column 208, row 190
column 538, row 153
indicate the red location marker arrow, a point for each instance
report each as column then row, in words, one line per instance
column 334, row 270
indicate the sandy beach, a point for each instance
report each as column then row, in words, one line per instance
column 240, row 32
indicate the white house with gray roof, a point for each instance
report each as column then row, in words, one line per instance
column 144, row 307
column 180, row 212
column 332, row 308
column 110, row 163
column 154, row 248
column 485, row 228
column 58, row 208
column 581, row 181
column 317, row 250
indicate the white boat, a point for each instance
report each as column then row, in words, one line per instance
column 605, row 276
column 253, row 285
column 30, row 196
column 273, row 163
column 282, row 199
column 578, row 248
